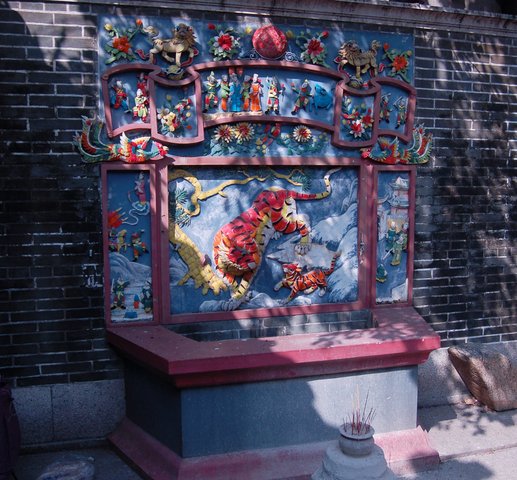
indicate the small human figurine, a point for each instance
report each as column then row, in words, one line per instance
column 246, row 91
column 139, row 247
column 235, row 95
column 321, row 99
column 140, row 188
column 397, row 251
column 401, row 106
column 384, row 109
column 146, row 297
column 117, row 240
column 118, row 97
column 119, row 296
column 304, row 96
column 256, row 94
column 136, row 301
column 141, row 108
column 224, row 89
column 403, row 236
column 391, row 235
column 141, row 83
column 381, row 273
column 211, row 98
column 273, row 96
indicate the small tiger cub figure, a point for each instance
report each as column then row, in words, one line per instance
column 306, row 282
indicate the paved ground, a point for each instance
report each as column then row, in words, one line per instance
column 108, row 466
column 473, row 444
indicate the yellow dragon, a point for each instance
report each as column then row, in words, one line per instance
column 198, row 264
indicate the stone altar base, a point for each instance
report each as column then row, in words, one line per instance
column 268, row 408
column 338, row 466
column 406, row 452
column 262, row 430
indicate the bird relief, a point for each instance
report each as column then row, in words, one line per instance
column 390, row 151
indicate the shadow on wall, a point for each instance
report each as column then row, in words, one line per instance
column 56, row 77
column 465, row 232
column 507, row 7
column 52, row 322
column 52, row 209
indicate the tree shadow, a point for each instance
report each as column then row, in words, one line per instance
column 466, row 205
column 457, row 468
column 474, row 419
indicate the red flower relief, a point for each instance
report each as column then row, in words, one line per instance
column 211, row 26
column 225, row 42
column 367, row 120
column 314, row 47
column 122, row 44
column 400, row 63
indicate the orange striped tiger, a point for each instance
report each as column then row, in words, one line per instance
column 307, row 282
column 240, row 244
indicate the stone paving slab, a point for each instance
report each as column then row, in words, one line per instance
column 495, row 465
column 108, row 465
column 459, row 430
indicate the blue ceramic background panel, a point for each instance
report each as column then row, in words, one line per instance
column 129, row 244
column 332, row 37
column 393, row 225
column 332, row 220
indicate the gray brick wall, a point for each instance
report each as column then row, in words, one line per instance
column 465, row 263
column 51, row 299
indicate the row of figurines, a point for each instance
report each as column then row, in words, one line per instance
column 231, row 94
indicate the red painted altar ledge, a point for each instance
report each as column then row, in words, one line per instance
column 401, row 338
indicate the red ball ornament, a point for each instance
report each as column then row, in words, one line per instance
column 269, row 42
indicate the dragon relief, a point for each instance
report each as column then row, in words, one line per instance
column 198, row 264
column 351, row 54
column 199, row 268
column 239, row 246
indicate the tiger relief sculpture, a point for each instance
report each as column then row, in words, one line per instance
column 239, row 246
column 305, row 283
